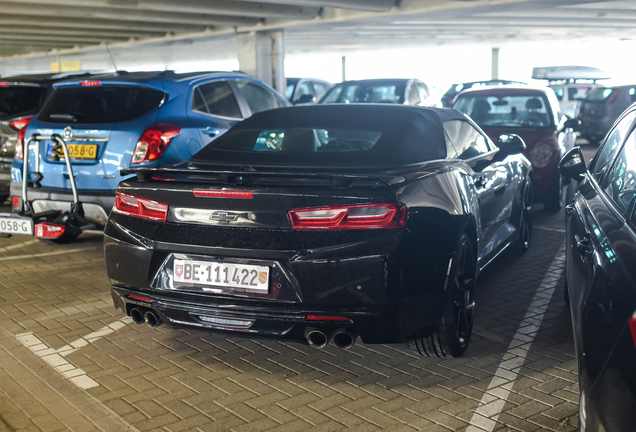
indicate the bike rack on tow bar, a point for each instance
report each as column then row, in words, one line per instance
column 57, row 225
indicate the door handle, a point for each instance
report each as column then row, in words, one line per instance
column 210, row 131
column 583, row 245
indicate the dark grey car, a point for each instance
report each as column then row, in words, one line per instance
column 600, row 109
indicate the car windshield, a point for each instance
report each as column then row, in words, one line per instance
column 509, row 110
column 17, row 99
column 365, row 93
column 599, row 94
column 300, row 140
column 100, row 104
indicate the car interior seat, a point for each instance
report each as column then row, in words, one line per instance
column 299, row 141
column 534, row 114
column 481, row 111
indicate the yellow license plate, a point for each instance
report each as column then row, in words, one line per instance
column 79, row 151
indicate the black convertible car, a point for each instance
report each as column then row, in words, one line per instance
column 324, row 222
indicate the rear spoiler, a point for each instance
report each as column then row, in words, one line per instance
column 233, row 176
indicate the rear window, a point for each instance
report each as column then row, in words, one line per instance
column 300, row 140
column 578, row 92
column 100, row 104
column 17, row 99
column 510, row 110
column 365, row 93
column 599, row 94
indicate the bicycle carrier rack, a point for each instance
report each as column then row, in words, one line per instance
column 73, row 221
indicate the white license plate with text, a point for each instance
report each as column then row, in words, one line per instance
column 13, row 225
column 220, row 274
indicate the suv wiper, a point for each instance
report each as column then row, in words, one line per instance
column 63, row 117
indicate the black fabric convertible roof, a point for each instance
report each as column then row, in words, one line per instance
column 410, row 135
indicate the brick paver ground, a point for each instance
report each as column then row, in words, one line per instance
column 137, row 378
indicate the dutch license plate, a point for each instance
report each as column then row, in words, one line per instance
column 221, row 274
column 75, row 151
column 13, row 225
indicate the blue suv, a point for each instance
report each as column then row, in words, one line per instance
column 125, row 120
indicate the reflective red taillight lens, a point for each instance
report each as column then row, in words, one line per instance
column 207, row 193
column 154, row 142
column 20, row 125
column 49, row 230
column 632, row 327
column 352, row 216
column 16, row 202
column 326, row 318
column 143, row 208
column 140, row 298
column 90, row 83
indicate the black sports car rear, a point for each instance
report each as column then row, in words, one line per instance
column 323, row 221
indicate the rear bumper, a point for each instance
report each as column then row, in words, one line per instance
column 97, row 205
column 377, row 296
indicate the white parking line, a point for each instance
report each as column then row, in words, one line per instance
column 58, row 252
column 494, row 399
column 18, row 246
column 56, row 357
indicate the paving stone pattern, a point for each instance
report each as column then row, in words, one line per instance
column 168, row 379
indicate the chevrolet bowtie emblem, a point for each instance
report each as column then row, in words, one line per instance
column 223, row 217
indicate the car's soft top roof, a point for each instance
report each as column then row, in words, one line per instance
column 410, row 135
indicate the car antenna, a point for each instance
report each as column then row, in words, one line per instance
column 111, row 57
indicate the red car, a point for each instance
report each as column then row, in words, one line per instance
column 533, row 114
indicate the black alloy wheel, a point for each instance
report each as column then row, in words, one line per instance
column 525, row 224
column 452, row 334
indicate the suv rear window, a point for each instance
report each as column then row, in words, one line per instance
column 17, row 99
column 599, row 94
column 99, row 104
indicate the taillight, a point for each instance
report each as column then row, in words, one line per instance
column 90, row 83
column 49, row 230
column 632, row 327
column 352, row 216
column 143, row 208
column 207, row 193
column 154, row 142
column 326, row 318
column 20, row 125
column 16, row 202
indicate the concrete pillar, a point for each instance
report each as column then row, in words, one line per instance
column 495, row 64
column 344, row 68
column 262, row 54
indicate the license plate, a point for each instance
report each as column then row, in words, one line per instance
column 241, row 277
column 75, row 151
column 14, row 225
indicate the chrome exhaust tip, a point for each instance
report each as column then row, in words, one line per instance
column 152, row 319
column 137, row 315
column 345, row 338
column 317, row 338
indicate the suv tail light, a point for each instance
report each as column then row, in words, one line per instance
column 144, row 208
column 49, row 230
column 20, row 126
column 352, row 216
column 154, row 142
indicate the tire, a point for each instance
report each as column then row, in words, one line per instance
column 554, row 198
column 525, row 223
column 452, row 334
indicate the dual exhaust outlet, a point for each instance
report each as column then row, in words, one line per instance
column 142, row 315
column 343, row 338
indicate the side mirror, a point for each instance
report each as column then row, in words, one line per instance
column 510, row 144
column 572, row 124
column 304, row 99
column 572, row 164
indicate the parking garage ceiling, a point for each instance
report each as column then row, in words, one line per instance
column 67, row 26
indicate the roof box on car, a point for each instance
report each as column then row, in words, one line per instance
column 567, row 73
